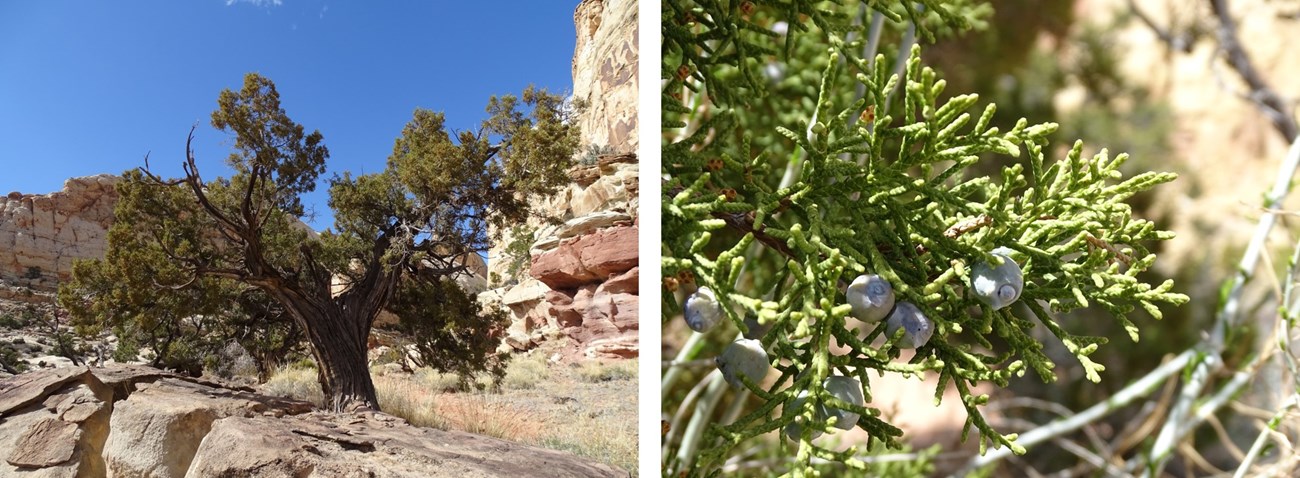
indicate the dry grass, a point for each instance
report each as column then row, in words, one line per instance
column 436, row 381
column 409, row 399
column 524, row 373
column 588, row 410
column 596, row 372
column 295, row 382
column 606, row 439
column 488, row 415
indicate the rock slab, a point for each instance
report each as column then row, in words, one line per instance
column 133, row 421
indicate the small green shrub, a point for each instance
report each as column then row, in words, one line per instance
column 594, row 152
column 10, row 360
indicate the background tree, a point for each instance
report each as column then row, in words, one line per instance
column 418, row 219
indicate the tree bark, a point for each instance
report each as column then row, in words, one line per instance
column 338, row 343
column 342, row 369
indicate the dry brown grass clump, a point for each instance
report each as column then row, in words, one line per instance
column 484, row 414
column 597, row 372
column 525, row 372
column 295, row 382
column 409, row 399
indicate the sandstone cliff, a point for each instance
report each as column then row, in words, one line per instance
column 129, row 421
column 605, row 72
column 41, row 234
column 576, row 279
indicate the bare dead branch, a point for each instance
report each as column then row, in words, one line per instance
column 1182, row 42
column 1274, row 106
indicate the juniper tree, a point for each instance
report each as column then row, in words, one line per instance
column 801, row 152
column 415, row 222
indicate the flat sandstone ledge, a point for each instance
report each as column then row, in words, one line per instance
column 130, row 420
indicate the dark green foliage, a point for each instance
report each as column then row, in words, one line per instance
column 10, row 320
column 842, row 165
column 451, row 331
column 10, row 359
column 47, row 322
column 517, row 251
column 184, row 326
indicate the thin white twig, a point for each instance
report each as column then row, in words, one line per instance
column 1258, row 446
column 734, row 466
column 1139, row 388
column 1179, row 420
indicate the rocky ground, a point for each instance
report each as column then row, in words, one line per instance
column 138, row 421
column 30, row 338
column 586, row 408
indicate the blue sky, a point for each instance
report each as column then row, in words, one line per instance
column 90, row 87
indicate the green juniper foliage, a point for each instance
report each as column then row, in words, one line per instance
column 796, row 158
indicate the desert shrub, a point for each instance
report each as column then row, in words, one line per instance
column 593, row 152
column 451, row 332
column 516, row 253
column 233, row 361
column 11, row 360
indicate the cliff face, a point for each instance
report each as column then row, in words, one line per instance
column 605, row 72
column 40, row 235
column 576, row 279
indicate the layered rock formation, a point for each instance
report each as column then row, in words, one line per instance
column 130, row 421
column 605, row 72
column 41, row 234
column 579, row 280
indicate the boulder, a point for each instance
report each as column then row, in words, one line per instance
column 587, row 259
column 609, row 251
column 624, row 347
column 48, row 442
column 54, row 423
column 156, row 430
column 561, row 268
column 625, row 283
column 614, row 189
column 527, row 291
